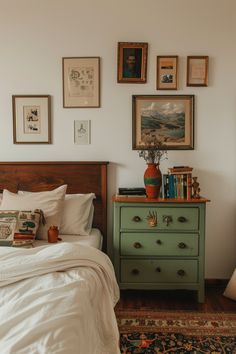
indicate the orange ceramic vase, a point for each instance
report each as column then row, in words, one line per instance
column 152, row 180
column 53, row 234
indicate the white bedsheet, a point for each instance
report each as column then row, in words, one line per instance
column 94, row 239
column 57, row 300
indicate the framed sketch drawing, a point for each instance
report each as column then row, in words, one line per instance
column 167, row 118
column 132, row 62
column 167, row 72
column 197, row 70
column 82, row 132
column 81, row 82
column 31, row 119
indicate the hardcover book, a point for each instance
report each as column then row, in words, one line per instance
column 132, row 191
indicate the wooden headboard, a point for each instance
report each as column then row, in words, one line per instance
column 81, row 177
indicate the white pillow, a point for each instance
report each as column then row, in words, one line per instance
column 0, row 199
column 50, row 202
column 77, row 214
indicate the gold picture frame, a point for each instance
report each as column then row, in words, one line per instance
column 197, row 70
column 132, row 62
column 31, row 119
column 166, row 118
column 81, row 82
column 167, row 72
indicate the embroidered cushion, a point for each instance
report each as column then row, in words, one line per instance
column 19, row 225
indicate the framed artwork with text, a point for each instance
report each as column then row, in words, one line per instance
column 197, row 70
column 167, row 72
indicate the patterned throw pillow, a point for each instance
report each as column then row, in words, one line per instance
column 8, row 221
column 19, row 225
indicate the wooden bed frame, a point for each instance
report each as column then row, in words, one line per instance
column 81, row 177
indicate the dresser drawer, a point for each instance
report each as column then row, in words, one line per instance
column 158, row 244
column 160, row 271
column 168, row 218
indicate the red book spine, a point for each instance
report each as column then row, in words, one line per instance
column 19, row 236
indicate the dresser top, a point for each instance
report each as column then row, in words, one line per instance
column 142, row 199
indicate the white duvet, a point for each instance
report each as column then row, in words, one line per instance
column 57, row 299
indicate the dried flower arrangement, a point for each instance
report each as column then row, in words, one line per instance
column 154, row 151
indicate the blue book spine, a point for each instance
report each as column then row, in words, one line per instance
column 171, row 187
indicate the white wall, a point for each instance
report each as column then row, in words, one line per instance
column 35, row 35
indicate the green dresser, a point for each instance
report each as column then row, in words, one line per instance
column 159, row 244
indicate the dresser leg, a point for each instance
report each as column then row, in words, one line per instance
column 201, row 295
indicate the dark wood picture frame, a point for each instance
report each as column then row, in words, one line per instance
column 197, row 70
column 167, row 118
column 31, row 119
column 132, row 62
column 167, row 72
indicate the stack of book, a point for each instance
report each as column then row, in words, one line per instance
column 136, row 191
column 177, row 183
column 23, row 243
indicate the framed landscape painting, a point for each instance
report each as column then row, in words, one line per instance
column 166, row 118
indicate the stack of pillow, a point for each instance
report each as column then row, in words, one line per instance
column 72, row 213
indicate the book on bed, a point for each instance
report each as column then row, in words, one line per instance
column 23, row 243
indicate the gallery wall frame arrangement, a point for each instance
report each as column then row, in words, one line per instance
column 81, row 82
column 82, row 132
column 31, row 119
column 166, row 118
column 167, row 72
column 197, row 70
column 132, row 62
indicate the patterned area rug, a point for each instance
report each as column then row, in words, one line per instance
column 151, row 332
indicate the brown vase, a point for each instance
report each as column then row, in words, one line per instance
column 152, row 180
column 53, row 234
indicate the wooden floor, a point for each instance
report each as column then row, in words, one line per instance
column 176, row 300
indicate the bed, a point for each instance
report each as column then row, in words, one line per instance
column 59, row 298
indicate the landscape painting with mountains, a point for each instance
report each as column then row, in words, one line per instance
column 163, row 120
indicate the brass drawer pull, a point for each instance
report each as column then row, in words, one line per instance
column 182, row 245
column 135, row 271
column 182, row 219
column 181, row 272
column 159, row 242
column 136, row 218
column 137, row 245
column 158, row 270
column 167, row 219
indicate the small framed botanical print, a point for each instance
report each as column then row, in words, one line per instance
column 167, row 72
column 81, row 82
column 197, row 70
column 82, row 132
column 31, row 119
